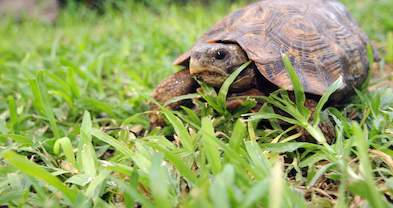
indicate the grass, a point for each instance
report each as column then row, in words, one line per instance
column 74, row 128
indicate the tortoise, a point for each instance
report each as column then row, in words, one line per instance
column 320, row 37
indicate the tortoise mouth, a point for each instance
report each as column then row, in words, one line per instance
column 212, row 78
column 216, row 79
column 209, row 73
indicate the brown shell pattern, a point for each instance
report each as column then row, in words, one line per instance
column 320, row 37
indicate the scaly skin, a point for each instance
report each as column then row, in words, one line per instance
column 181, row 83
column 235, row 100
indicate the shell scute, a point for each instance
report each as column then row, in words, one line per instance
column 320, row 37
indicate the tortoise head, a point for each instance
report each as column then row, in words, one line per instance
column 212, row 63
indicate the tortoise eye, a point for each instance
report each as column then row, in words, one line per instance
column 220, row 55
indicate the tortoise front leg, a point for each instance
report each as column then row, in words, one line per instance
column 234, row 102
column 181, row 83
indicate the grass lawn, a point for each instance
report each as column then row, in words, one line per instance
column 74, row 129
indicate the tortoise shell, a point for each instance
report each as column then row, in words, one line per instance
column 320, row 37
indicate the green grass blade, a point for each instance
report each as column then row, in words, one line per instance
column 96, row 105
column 180, row 165
column 389, row 48
column 41, row 103
column 13, row 114
column 258, row 159
column 87, row 158
column 256, row 193
column 339, row 83
column 134, row 193
column 209, row 94
column 276, row 191
column 39, row 173
column 79, row 179
column 366, row 188
column 222, row 94
column 318, row 135
column 288, row 146
column 192, row 116
column 72, row 83
column 119, row 146
column 20, row 139
column 320, row 172
column 210, row 146
column 180, row 130
column 296, row 83
column 65, row 144
column 159, row 183
column 239, row 133
column 362, row 146
column 218, row 190
column 268, row 116
column 95, row 186
column 181, row 98
column 371, row 60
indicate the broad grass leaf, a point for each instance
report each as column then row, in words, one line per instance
column 276, row 190
column 288, row 146
column 181, row 98
column 65, row 144
column 256, row 193
column 222, row 94
column 365, row 187
column 42, row 104
column 20, row 139
column 119, row 146
column 210, row 146
column 94, row 188
column 181, row 130
column 339, row 83
column 192, row 117
column 296, row 83
column 268, row 116
column 258, row 159
column 239, row 134
column 80, row 179
column 12, row 108
column 183, row 169
column 389, row 48
column 159, row 183
column 218, row 190
column 311, row 160
column 319, row 173
column 86, row 157
column 39, row 173
column 134, row 193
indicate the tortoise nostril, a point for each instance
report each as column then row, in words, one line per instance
column 199, row 77
column 197, row 56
